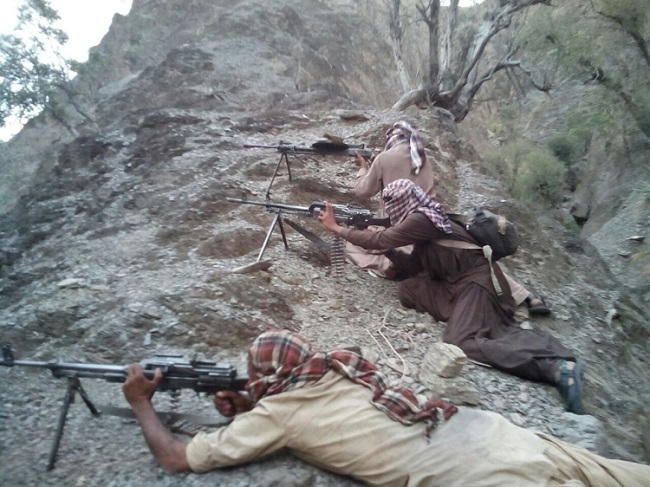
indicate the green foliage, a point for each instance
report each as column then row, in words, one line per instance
column 509, row 112
column 585, row 122
column 631, row 15
column 603, row 44
column 534, row 174
column 508, row 159
column 572, row 226
column 562, row 147
column 641, row 109
column 33, row 70
column 541, row 178
column 645, row 189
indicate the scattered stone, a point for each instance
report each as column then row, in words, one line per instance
column 582, row 430
column 71, row 283
column 99, row 288
column 459, row 390
column 612, row 314
column 420, row 328
column 525, row 325
column 352, row 115
column 443, row 359
column 292, row 280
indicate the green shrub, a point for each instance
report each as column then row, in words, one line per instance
column 563, row 147
column 532, row 173
column 540, row 178
column 507, row 160
column 641, row 110
column 645, row 189
column 572, row 226
column 583, row 124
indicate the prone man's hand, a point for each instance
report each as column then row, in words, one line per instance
column 230, row 403
column 138, row 389
column 361, row 162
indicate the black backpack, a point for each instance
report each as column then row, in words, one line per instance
column 490, row 229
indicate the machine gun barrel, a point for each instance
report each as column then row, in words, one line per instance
column 350, row 215
column 178, row 372
column 274, row 207
column 322, row 148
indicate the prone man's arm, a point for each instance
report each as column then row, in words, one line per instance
column 168, row 450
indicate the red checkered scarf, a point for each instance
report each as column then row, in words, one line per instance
column 403, row 197
column 402, row 132
column 285, row 360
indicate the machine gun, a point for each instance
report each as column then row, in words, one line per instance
column 345, row 214
column 178, row 373
column 322, row 148
column 318, row 148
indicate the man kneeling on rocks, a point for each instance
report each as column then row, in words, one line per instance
column 336, row 411
column 463, row 288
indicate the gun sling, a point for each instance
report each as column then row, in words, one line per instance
column 168, row 417
column 487, row 252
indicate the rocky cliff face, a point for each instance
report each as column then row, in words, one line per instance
column 125, row 245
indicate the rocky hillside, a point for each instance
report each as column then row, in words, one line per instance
column 125, row 245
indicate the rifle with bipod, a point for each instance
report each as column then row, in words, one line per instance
column 178, row 373
column 322, row 148
column 344, row 214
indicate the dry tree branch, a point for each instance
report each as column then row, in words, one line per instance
column 404, row 365
column 378, row 345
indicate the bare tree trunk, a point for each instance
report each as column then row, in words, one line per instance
column 396, row 36
column 430, row 15
column 448, row 41
column 61, row 119
column 413, row 97
column 72, row 98
column 459, row 98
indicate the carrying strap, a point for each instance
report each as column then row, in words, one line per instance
column 487, row 252
column 501, row 223
column 169, row 417
column 459, row 218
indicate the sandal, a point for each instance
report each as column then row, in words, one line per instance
column 541, row 309
column 572, row 393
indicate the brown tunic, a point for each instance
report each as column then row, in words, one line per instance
column 454, row 285
column 390, row 166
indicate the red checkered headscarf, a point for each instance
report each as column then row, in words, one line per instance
column 403, row 197
column 402, row 132
column 284, row 361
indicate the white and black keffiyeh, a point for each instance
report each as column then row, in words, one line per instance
column 402, row 132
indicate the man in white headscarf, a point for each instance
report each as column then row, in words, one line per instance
column 404, row 158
